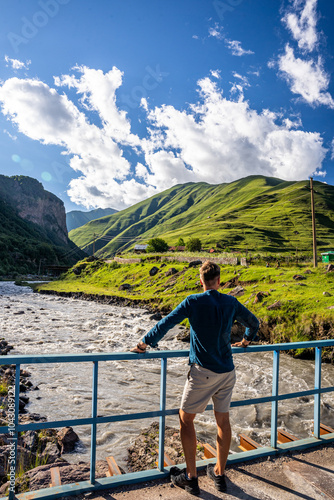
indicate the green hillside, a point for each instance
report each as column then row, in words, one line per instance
column 253, row 213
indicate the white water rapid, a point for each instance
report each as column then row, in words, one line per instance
column 51, row 324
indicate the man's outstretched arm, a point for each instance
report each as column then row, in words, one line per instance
column 161, row 328
column 246, row 318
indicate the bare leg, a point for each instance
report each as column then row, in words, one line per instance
column 189, row 442
column 223, row 440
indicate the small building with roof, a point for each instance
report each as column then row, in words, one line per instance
column 140, row 248
column 328, row 257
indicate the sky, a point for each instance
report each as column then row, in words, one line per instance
column 109, row 102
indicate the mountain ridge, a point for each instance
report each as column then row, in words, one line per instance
column 78, row 218
column 32, row 228
column 255, row 212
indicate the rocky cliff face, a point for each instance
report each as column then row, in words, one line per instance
column 32, row 203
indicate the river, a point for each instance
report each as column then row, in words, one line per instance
column 41, row 324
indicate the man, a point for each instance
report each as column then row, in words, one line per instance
column 211, row 375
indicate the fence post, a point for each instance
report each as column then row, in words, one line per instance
column 274, row 404
column 162, row 419
column 93, row 427
column 317, row 397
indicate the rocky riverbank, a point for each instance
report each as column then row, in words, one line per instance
column 103, row 299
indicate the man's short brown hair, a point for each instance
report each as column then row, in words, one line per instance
column 209, row 272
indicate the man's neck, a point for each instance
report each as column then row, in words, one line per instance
column 206, row 288
column 214, row 285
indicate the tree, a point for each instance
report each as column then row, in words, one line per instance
column 180, row 242
column 194, row 245
column 157, row 245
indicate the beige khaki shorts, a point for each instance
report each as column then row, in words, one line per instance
column 203, row 384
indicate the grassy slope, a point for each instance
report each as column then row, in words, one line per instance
column 252, row 213
column 304, row 313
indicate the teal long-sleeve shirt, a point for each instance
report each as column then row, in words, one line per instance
column 211, row 315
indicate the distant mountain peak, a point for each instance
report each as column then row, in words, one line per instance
column 78, row 218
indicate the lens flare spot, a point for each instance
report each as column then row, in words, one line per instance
column 46, row 176
column 16, row 158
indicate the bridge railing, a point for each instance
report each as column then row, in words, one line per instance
column 14, row 427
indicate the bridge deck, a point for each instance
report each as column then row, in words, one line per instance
column 303, row 476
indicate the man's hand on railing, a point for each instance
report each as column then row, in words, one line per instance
column 243, row 343
column 140, row 348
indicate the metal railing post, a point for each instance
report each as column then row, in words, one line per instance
column 14, row 433
column 93, row 427
column 274, row 404
column 162, row 419
column 317, row 397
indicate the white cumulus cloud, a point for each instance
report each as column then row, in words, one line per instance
column 216, row 32
column 214, row 140
column 223, row 140
column 215, row 73
column 16, row 63
column 235, row 47
column 306, row 78
column 301, row 20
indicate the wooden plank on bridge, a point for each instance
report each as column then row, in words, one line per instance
column 55, row 477
column 168, row 462
column 325, row 429
column 247, row 444
column 209, row 451
column 113, row 469
column 285, row 437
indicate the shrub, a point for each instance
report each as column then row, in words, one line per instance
column 157, row 245
column 194, row 245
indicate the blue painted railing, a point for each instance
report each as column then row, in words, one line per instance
column 14, row 427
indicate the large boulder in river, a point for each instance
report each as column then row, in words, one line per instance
column 67, row 439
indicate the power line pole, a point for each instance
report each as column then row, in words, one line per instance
column 315, row 260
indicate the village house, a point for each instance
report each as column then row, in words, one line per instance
column 140, row 248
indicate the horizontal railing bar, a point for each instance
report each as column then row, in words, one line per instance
column 119, row 356
column 281, row 397
column 81, row 358
column 152, row 414
column 91, row 420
